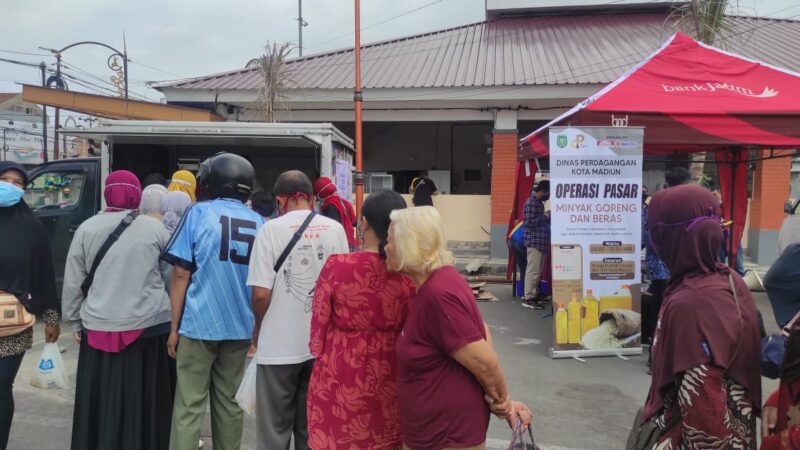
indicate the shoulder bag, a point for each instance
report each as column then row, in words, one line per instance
column 296, row 237
column 112, row 238
column 14, row 318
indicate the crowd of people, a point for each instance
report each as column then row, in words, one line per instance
column 365, row 335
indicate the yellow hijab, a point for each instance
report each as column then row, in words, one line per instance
column 183, row 181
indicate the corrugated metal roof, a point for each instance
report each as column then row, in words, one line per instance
column 515, row 51
column 4, row 97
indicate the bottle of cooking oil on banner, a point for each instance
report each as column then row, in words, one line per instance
column 574, row 316
column 621, row 299
column 591, row 313
column 561, row 324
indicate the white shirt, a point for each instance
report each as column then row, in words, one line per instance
column 285, row 331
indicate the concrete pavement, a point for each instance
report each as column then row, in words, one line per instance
column 577, row 405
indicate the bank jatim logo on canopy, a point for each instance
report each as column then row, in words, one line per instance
column 721, row 87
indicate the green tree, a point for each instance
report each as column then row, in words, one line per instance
column 708, row 20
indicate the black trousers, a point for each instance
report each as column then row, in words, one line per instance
column 9, row 366
column 651, row 305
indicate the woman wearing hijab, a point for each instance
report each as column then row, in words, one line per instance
column 152, row 196
column 183, row 181
column 125, row 381
column 337, row 208
column 706, row 385
column 26, row 272
column 359, row 309
column 173, row 207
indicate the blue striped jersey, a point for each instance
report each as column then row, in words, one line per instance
column 214, row 241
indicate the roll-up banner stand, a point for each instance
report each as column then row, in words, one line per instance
column 596, row 238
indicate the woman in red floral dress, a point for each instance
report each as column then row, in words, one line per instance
column 359, row 309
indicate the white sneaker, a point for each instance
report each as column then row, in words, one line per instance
column 201, row 444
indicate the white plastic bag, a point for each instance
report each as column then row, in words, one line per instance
column 50, row 372
column 246, row 395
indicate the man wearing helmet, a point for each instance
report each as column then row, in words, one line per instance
column 212, row 320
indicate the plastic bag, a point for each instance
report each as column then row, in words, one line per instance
column 50, row 372
column 518, row 438
column 246, row 395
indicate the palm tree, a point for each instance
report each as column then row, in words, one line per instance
column 708, row 21
column 276, row 79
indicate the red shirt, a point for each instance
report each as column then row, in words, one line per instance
column 358, row 312
column 441, row 402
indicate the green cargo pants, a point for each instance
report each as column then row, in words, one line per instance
column 208, row 367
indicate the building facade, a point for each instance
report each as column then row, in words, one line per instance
column 453, row 103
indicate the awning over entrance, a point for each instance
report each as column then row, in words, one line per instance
column 112, row 107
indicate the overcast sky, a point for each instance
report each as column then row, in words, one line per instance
column 186, row 38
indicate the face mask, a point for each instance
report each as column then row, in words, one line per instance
column 10, row 195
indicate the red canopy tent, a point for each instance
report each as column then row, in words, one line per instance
column 690, row 97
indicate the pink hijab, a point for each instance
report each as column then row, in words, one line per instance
column 123, row 191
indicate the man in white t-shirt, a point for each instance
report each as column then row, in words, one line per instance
column 282, row 307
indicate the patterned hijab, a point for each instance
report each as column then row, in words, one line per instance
column 183, row 181
column 123, row 191
column 173, row 206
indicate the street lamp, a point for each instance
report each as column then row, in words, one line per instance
column 112, row 62
column 61, row 84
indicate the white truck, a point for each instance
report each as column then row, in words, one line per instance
column 66, row 192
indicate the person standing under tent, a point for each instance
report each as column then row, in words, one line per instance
column 537, row 242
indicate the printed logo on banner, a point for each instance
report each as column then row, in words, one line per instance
column 616, row 143
column 561, row 140
column 715, row 87
column 578, row 142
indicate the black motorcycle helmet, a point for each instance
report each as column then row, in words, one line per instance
column 225, row 175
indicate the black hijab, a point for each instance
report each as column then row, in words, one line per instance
column 26, row 263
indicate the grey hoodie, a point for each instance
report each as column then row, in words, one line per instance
column 129, row 291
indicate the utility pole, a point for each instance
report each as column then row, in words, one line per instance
column 58, row 110
column 300, row 24
column 43, row 68
column 358, row 98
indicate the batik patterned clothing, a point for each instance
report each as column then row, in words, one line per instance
column 715, row 413
column 358, row 311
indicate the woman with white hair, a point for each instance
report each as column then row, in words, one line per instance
column 448, row 376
